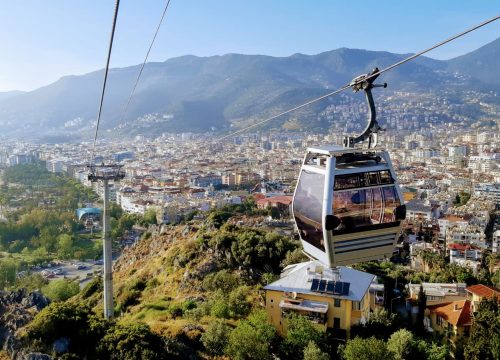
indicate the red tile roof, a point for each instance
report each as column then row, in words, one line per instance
column 484, row 291
column 282, row 199
column 462, row 247
column 458, row 313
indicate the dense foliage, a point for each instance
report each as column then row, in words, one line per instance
column 90, row 336
column 300, row 333
column 484, row 338
column 248, row 247
column 40, row 220
column 252, row 339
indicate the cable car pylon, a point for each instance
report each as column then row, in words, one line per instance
column 105, row 173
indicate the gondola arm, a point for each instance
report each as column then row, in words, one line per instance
column 364, row 82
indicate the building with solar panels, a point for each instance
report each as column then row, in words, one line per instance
column 333, row 298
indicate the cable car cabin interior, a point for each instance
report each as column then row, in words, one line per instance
column 347, row 205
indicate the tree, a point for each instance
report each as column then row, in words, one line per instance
column 215, row 337
column 31, row 282
column 150, row 217
column 115, row 211
column 73, row 321
column 484, row 338
column 400, row 344
column 313, row 352
column 238, row 301
column 220, row 308
column 8, row 269
column 131, row 342
column 433, row 351
column 252, row 338
column 380, row 324
column 422, row 305
column 371, row 348
column 64, row 246
column 294, row 257
column 48, row 237
column 61, row 290
column 222, row 280
column 300, row 331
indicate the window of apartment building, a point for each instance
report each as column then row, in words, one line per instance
column 439, row 320
column 356, row 305
column 336, row 323
column 336, row 302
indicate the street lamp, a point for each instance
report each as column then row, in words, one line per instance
column 399, row 297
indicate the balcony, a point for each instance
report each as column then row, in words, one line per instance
column 315, row 311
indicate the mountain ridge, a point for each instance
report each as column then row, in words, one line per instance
column 191, row 93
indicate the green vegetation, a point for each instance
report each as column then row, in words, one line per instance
column 484, row 338
column 61, row 290
column 90, row 336
column 381, row 325
column 41, row 225
column 252, row 338
column 370, row 348
column 300, row 333
column 461, row 199
column 313, row 352
column 215, row 338
column 248, row 247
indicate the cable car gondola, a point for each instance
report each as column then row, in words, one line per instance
column 347, row 204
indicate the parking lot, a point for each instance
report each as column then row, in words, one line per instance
column 81, row 270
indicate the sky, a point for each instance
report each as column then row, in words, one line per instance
column 43, row 40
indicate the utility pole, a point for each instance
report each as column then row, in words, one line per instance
column 106, row 173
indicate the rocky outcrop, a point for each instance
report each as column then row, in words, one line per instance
column 17, row 309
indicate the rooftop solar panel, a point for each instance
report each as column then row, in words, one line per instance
column 338, row 287
column 345, row 288
column 314, row 285
column 322, row 285
column 330, row 286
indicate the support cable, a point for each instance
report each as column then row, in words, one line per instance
column 125, row 109
column 117, row 5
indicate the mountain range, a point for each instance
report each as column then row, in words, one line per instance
column 191, row 93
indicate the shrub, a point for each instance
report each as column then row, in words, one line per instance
column 131, row 342
column 94, row 286
column 371, row 348
column 215, row 337
column 61, row 290
column 31, row 282
column 222, row 280
column 313, row 352
column 74, row 321
column 128, row 298
column 238, row 301
column 300, row 331
column 138, row 284
column 220, row 308
column 188, row 305
column 252, row 338
column 175, row 310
